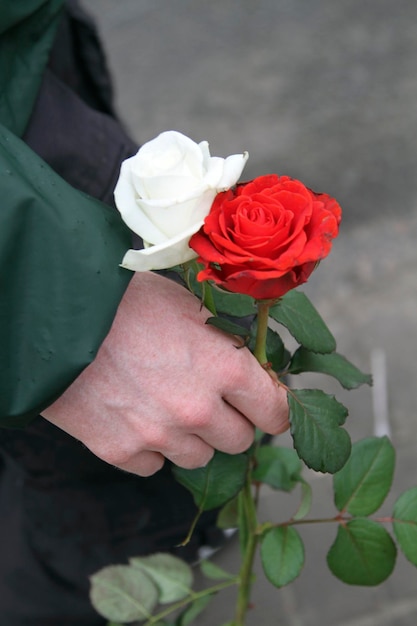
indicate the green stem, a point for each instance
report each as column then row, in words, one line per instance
column 300, row 522
column 195, row 596
column 245, row 575
column 248, row 521
column 337, row 519
column 262, row 329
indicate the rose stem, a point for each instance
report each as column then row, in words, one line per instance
column 245, row 574
column 260, row 342
column 249, row 507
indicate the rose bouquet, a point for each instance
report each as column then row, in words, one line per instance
column 243, row 248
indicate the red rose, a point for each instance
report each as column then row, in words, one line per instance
column 265, row 237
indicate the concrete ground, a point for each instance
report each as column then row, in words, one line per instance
column 324, row 91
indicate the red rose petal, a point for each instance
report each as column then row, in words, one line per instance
column 266, row 236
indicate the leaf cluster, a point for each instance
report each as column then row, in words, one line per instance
column 130, row 593
column 317, row 419
column 363, row 552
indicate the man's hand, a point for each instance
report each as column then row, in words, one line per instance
column 165, row 384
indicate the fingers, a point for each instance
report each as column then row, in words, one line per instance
column 144, row 464
column 256, row 395
column 226, row 429
column 191, row 453
column 232, row 434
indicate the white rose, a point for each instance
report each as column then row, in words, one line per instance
column 164, row 193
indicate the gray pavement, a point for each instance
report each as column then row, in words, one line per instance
column 325, row 91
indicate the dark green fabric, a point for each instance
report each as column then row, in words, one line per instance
column 60, row 281
column 27, row 30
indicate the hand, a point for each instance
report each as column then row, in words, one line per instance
column 166, row 385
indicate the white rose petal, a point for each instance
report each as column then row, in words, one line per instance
column 205, row 151
column 172, row 222
column 173, row 252
column 214, row 172
column 164, row 193
column 233, row 167
column 163, row 186
column 127, row 202
column 171, row 153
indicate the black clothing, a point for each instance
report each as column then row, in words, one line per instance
column 64, row 513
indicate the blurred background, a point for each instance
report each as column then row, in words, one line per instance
column 326, row 92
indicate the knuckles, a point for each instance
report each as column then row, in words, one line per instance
column 118, row 455
column 194, row 462
column 193, row 411
column 243, row 444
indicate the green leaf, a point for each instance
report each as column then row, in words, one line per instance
column 228, row 326
column 298, row 315
column 277, row 467
column 216, row 483
column 282, row 555
column 123, row 593
column 228, row 515
column 276, row 352
column 306, row 500
column 316, row 420
column 334, row 364
column 172, row 576
column 362, row 485
column 405, row 523
column 193, row 610
column 234, row 304
column 214, row 572
column 362, row 554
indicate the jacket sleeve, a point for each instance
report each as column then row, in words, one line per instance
column 27, row 32
column 60, row 280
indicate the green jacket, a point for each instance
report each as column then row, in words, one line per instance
column 27, row 31
column 60, row 281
